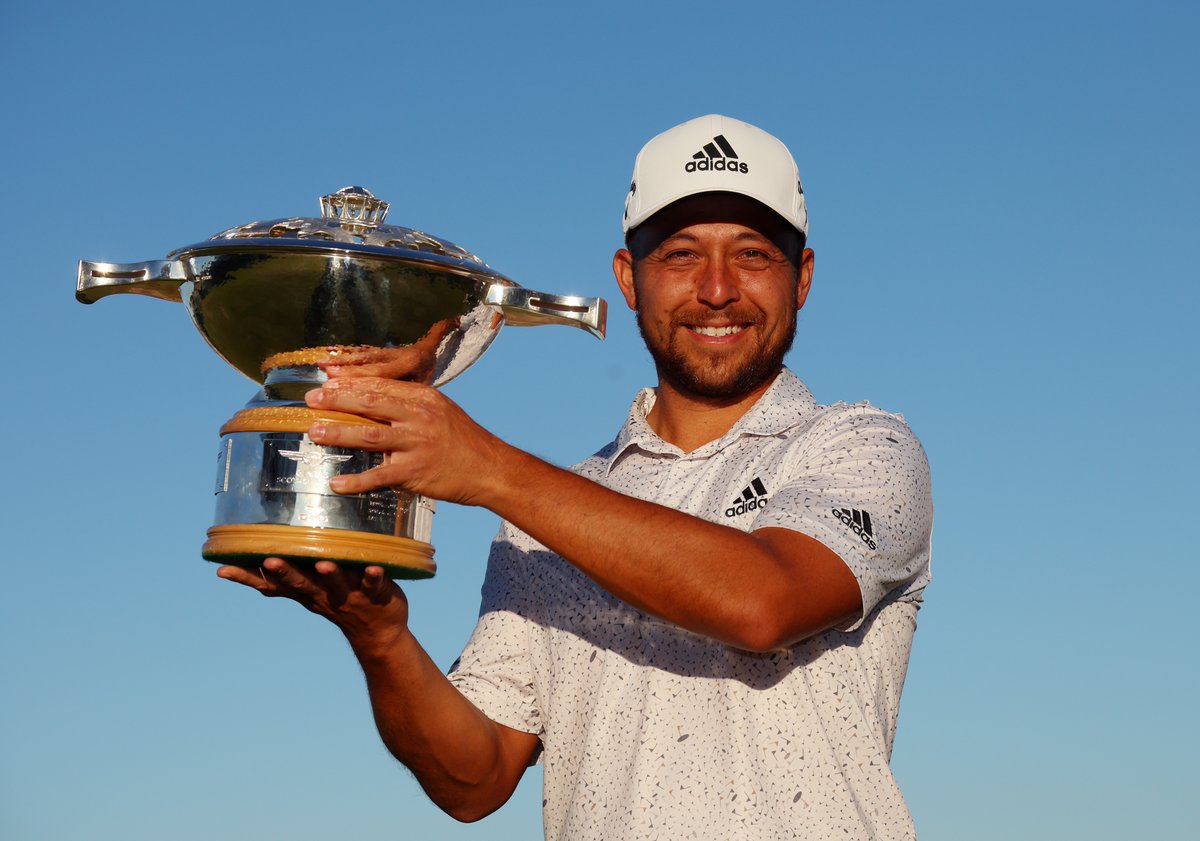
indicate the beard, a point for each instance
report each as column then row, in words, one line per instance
column 717, row 376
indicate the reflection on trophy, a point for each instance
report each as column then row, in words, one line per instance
column 278, row 299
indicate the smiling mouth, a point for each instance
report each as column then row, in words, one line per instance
column 717, row 331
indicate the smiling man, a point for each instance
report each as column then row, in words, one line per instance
column 703, row 629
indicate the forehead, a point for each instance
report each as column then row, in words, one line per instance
column 729, row 210
column 723, row 231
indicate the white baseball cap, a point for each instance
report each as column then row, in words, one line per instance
column 715, row 154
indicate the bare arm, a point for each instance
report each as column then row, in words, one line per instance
column 467, row 763
column 758, row 591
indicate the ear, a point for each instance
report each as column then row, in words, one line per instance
column 623, row 271
column 804, row 276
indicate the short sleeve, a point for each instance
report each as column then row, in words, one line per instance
column 858, row 482
column 495, row 671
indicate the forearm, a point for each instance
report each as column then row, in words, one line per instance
column 467, row 763
column 461, row 758
column 737, row 587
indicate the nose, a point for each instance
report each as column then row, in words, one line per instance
column 717, row 285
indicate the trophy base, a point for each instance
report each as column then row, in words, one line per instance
column 247, row 545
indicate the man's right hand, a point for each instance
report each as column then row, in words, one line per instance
column 364, row 603
column 467, row 763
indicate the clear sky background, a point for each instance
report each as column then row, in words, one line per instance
column 1004, row 212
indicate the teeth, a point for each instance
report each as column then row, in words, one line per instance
column 717, row 331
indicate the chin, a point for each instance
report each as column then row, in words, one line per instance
column 724, row 377
column 731, row 382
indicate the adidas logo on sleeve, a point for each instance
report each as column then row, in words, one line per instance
column 859, row 523
column 717, row 155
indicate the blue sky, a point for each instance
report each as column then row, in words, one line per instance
column 1003, row 203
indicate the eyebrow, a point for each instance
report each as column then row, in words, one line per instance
column 678, row 236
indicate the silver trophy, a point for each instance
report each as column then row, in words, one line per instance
column 276, row 299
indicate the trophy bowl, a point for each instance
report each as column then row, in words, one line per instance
column 276, row 300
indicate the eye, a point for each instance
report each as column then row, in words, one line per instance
column 755, row 258
column 678, row 255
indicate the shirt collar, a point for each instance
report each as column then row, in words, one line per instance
column 786, row 403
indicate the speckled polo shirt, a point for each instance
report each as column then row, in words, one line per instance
column 652, row 732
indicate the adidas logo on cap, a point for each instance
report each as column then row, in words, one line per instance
column 717, row 155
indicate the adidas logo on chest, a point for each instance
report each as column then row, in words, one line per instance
column 754, row 496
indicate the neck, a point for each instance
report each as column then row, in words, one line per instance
column 689, row 421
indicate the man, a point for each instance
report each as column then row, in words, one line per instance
column 702, row 630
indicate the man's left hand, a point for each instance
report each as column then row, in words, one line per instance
column 433, row 447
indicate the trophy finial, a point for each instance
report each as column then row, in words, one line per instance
column 356, row 208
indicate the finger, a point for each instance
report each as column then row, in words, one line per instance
column 336, row 581
column 375, row 583
column 354, row 358
column 381, row 385
column 356, row 436
column 408, row 363
column 264, row 581
column 370, row 581
column 291, row 580
column 246, row 577
column 390, row 475
column 371, row 397
column 410, row 371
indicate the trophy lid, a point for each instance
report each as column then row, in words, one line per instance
column 351, row 220
column 345, row 280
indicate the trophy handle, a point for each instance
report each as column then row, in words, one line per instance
column 527, row 308
column 156, row 278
